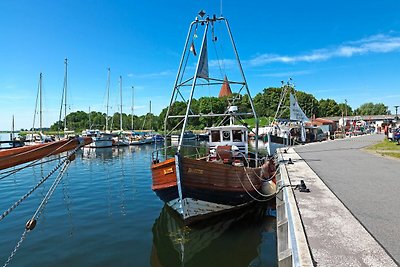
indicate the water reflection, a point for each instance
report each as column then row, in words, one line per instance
column 228, row 240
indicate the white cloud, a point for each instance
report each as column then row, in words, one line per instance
column 379, row 43
column 288, row 73
column 150, row 75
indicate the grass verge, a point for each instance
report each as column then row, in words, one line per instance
column 386, row 148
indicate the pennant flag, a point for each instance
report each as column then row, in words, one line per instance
column 202, row 71
column 192, row 49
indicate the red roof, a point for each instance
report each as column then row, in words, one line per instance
column 225, row 88
column 323, row 121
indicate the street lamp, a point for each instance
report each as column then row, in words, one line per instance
column 396, row 107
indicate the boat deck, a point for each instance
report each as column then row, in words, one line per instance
column 350, row 217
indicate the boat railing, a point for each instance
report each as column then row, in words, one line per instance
column 198, row 152
column 189, row 151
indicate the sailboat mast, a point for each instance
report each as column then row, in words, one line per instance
column 151, row 126
column 65, row 93
column 108, row 96
column 40, row 101
column 12, row 131
column 133, row 103
column 120, row 93
column 90, row 123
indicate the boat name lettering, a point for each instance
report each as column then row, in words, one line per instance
column 168, row 171
column 197, row 171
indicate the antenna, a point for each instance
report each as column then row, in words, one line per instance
column 221, row 7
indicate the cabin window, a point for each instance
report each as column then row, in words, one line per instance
column 226, row 135
column 237, row 135
column 215, row 137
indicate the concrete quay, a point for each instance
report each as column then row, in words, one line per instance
column 350, row 216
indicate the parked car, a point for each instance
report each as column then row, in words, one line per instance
column 321, row 136
column 396, row 136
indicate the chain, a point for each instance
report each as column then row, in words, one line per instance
column 16, row 204
column 41, row 207
column 16, row 248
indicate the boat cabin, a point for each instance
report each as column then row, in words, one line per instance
column 228, row 143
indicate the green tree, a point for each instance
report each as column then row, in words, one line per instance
column 345, row 109
column 328, row 107
column 372, row 109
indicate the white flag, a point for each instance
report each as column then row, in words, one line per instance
column 296, row 113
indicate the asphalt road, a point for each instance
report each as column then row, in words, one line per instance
column 367, row 184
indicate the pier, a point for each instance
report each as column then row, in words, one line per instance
column 349, row 217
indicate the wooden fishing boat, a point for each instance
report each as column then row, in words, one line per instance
column 15, row 156
column 227, row 176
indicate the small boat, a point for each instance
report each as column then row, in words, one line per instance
column 187, row 136
column 158, row 138
column 15, row 156
column 226, row 176
column 283, row 133
column 100, row 139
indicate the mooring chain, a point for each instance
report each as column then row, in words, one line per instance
column 16, row 204
column 16, row 248
column 30, row 225
column 41, row 181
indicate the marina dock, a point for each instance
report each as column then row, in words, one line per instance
column 350, row 215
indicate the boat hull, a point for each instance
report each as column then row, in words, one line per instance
column 15, row 156
column 100, row 143
column 205, row 188
column 273, row 142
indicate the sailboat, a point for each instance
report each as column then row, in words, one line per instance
column 283, row 133
column 227, row 176
column 100, row 139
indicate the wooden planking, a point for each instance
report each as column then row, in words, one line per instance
column 202, row 174
column 164, row 174
column 15, row 156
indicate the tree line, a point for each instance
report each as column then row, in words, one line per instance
column 265, row 104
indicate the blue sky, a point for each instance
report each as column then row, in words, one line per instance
column 338, row 49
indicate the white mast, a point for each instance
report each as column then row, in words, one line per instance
column 133, row 103
column 65, row 93
column 120, row 92
column 40, row 101
column 108, row 96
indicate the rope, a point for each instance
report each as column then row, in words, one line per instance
column 10, row 172
column 254, row 198
column 16, row 204
column 42, row 205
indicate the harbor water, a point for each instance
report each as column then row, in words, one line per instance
column 104, row 213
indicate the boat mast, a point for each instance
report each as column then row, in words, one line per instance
column 133, row 92
column 12, row 131
column 65, row 93
column 193, row 86
column 151, row 126
column 245, row 83
column 175, row 90
column 40, row 101
column 90, row 122
column 120, row 92
column 108, row 96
